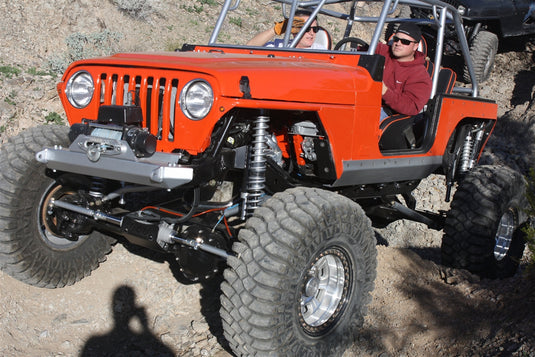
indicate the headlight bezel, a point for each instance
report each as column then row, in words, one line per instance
column 196, row 108
column 80, row 89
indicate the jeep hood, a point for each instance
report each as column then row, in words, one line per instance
column 271, row 77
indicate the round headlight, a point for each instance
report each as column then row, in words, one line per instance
column 196, row 99
column 462, row 10
column 80, row 88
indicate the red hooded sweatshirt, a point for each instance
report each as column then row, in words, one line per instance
column 409, row 84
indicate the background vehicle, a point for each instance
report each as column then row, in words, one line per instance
column 487, row 24
column 268, row 163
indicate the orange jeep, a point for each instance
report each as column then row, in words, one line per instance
column 267, row 163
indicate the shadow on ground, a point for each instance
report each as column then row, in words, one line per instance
column 130, row 334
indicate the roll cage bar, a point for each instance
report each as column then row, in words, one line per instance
column 443, row 15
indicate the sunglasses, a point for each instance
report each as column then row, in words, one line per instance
column 403, row 40
column 313, row 28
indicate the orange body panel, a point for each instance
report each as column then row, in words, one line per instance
column 323, row 83
column 453, row 111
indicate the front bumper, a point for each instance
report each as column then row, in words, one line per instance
column 115, row 160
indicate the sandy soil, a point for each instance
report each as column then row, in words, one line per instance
column 134, row 305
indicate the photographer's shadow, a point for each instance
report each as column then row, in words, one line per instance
column 130, row 334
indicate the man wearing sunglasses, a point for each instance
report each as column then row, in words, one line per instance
column 264, row 38
column 406, row 83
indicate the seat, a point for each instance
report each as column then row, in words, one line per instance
column 401, row 131
column 430, row 66
column 323, row 38
column 397, row 132
column 446, row 81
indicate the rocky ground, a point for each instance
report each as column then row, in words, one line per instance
column 136, row 304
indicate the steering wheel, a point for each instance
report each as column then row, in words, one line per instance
column 355, row 44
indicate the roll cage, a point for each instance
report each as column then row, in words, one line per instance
column 443, row 15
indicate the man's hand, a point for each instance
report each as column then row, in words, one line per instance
column 280, row 27
column 385, row 88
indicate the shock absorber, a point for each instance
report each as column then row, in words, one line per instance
column 256, row 180
column 470, row 149
column 466, row 154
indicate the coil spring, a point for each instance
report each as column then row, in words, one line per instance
column 256, row 181
column 98, row 187
column 466, row 155
column 469, row 152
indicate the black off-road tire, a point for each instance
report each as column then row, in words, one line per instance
column 482, row 232
column 483, row 51
column 29, row 251
column 300, row 244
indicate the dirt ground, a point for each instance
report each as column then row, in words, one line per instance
column 135, row 304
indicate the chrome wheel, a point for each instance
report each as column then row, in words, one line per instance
column 324, row 291
column 504, row 235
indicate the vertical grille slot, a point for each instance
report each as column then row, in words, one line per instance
column 99, row 89
column 123, row 92
column 103, row 91
column 114, row 89
column 173, row 101
column 158, row 94
column 149, row 117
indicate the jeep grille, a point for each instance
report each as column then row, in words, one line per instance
column 156, row 95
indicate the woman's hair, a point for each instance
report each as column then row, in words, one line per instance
column 303, row 12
